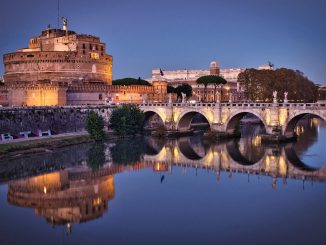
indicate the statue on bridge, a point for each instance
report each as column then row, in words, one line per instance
column 144, row 98
column 170, row 98
column 275, row 97
column 286, row 97
column 183, row 97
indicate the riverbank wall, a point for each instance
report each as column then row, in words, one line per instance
column 17, row 120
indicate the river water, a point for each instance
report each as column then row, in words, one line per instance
column 154, row 191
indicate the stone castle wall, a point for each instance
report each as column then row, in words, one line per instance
column 56, row 66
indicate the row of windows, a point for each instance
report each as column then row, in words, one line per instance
column 84, row 52
column 93, row 47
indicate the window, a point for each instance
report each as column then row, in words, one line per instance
column 94, row 56
column 100, row 96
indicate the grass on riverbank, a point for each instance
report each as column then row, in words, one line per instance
column 48, row 143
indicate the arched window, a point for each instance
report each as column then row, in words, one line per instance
column 93, row 68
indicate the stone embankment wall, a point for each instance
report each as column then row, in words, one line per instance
column 57, row 119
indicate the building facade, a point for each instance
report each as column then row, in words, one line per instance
column 230, row 92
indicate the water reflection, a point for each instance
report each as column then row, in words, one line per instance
column 61, row 198
column 80, row 189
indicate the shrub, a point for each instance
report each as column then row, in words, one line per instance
column 95, row 125
column 127, row 120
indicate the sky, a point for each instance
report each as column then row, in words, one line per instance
column 183, row 34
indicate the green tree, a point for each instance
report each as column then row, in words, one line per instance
column 130, row 81
column 127, row 119
column 213, row 80
column 259, row 85
column 95, row 125
column 170, row 89
column 183, row 88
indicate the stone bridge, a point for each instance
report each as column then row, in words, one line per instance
column 222, row 117
column 225, row 117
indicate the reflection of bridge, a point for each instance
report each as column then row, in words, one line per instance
column 283, row 163
column 225, row 117
column 78, row 194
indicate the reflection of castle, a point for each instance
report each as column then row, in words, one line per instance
column 62, row 200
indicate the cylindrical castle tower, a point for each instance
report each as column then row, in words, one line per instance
column 59, row 55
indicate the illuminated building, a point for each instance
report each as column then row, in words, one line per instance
column 61, row 67
column 230, row 92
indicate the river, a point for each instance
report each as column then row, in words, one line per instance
column 155, row 191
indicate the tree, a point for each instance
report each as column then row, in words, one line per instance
column 183, row 88
column 213, row 80
column 127, row 119
column 130, row 81
column 95, row 126
column 170, row 89
column 259, row 85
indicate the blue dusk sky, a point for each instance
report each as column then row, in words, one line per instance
column 178, row 34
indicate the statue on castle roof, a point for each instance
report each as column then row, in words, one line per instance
column 65, row 21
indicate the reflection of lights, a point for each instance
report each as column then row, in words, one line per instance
column 314, row 122
column 282, row 166
column 44, row 189
column 209, row 158
column 299, row 130
column 256, row 141
column 160, row 167
column 267, row 164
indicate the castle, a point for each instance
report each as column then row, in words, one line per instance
column 61, row 67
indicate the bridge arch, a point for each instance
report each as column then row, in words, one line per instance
column 294, row 159
column 292, row 122
column 233, row 150
column 235, row 118
column 153, row 118
column 189, row 152
column 185, row 119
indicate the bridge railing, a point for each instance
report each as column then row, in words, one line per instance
column 238, row 105
column 190, row 105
